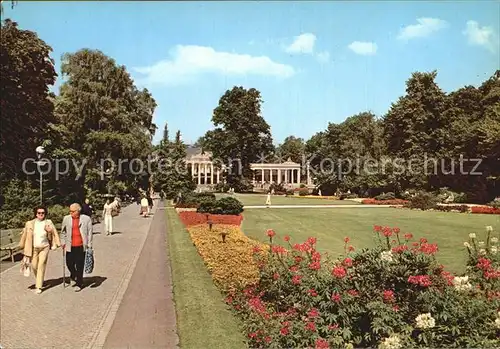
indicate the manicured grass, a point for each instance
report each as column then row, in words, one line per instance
column 203, row 319
column 260, row 199
column 330, row 226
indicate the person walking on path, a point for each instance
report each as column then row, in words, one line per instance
column 76, row 236
column 268, row 199
column 37, row 238
column 107, row 213
column 144, row 206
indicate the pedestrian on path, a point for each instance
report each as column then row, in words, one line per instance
column 268, row 199
column 76, row 236
column 37, row 238
column 144, row 206
column 107, row 213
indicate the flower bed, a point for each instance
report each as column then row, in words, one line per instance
column 190, row 218
column 384, row 202
column 394, row 295
column 485, row 210
column 228, row 255
column 318, row 197
column 449, row 208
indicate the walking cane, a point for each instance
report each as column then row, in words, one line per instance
column 64, row 267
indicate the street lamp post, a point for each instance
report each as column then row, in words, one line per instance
column 39, row 152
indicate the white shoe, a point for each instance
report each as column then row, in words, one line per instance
column 38, row 291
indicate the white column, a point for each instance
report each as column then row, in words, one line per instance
column 262, row 181
column 298, row 175
column 279, row 176
column 205, row 168
column 199, row 173
column 286, row 175
column 218, row 176
column 211, row 173
column 253, row 177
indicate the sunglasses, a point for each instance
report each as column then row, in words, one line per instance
column 40, row 212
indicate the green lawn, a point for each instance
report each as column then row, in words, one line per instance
column 203, row 319
column 331, row 225
column 260, row 199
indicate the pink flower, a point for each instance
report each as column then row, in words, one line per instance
column 270, row 233
column 339, row 272
column 286, row 238
column 297, row 279
column 313, row 313
column 336, row 297
column 322, row 344
column 388, row 295
column 347, row 262
column 311, row 326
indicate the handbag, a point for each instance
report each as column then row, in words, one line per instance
column 89, row 261
column 26, row 267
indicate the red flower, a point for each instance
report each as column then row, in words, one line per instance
column 256, row 249
column 316, row 256
column 311, row 241
column 423, row 240
column 347, row 262
column 333, row 327
column 336, row 297
column 268, row 339
column 353, row 293
column 339, row 272
column 279, row 249
column 377, row 228
column 298, row 259
column 311, row 326
column 388, row 295
column 484, row 263
column 322, row 344
column 408, row 236
column 396, row 230
column 428, row 248
column 422, row 280
column 395, row 308
column 315, row 266
column 346, row 239
column 286, row 238
column 284, row 331
column 387, row 231
column 351, row 248
column 313, row 313
column 312, row 292
column 276, row 276
column 294, row 268
column 399, row 249
column 270, row 233
column 297, row 279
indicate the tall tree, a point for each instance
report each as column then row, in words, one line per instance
column 102, row 115
column 292, row 148
column 26, row 72
column 241, row 132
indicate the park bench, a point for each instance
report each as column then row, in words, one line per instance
column 12, row 247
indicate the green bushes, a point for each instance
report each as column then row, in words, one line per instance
column 386, row 196
column 423, row 201
column 226, row 206
column 303, row 192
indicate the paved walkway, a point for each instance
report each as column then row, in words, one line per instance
column 62, row 318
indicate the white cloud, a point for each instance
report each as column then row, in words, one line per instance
column 303, row 43
column 425, row 27
column 480, row 36
column 323, row 57
column 187, row 62
column 363, row 48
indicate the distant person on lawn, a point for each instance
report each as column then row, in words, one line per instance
column 144, row 206
column 37, row 238
column 76, row 237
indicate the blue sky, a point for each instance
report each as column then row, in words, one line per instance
column 314, row 62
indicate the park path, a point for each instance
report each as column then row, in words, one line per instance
column 320, row 206
column 62, row 318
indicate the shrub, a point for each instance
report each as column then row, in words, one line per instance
column 495, row 204
column 303, row 192
column 449, row 208
column 221, row 187
column 228, row 259
column 302, row 185
column 290, row 192
column 348, row 196
column 395, row 293
column 423, row 201
column 386, row 196
column 228, row 205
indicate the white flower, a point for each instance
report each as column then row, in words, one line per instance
column 494, row 240
column 481, row 243
column 472, row 235
column 425, row 321
column 489, row 228
column 386, row 256
column 494, row 249
column 497, row 323
column 462, row 283
column 392, row 342
column 482, row 251
column 466, row 244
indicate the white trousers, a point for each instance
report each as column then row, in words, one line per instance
column 108, row 223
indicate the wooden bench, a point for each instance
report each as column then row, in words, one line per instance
column 12, row 247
